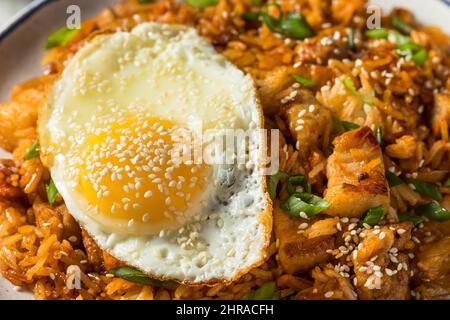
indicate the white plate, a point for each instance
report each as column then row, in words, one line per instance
column 22, row 39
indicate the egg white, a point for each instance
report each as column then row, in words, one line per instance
column 169, row 72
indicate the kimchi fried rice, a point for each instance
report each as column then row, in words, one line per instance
column 341, row 96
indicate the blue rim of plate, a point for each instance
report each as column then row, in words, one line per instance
column 35, row 6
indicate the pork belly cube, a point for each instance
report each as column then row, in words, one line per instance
column 355, row 172
column 309, row 123
column 296, row 252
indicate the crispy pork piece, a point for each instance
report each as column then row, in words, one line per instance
column 296, row 252
column 382, row 270
column 355, row 172
column 309, row 123
column 440, row 113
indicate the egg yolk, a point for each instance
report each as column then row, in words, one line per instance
column 133, row 184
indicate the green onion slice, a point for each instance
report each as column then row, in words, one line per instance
column 52, row 192
column 347, row 125
column 348, row 83
column 447, row 183
column 60, row 37
column 138, row 277
column 33, row 152
column 251, row 16
column 273, row 183
column 401, row 25
column 392, row 179
column 380, row 33
column 416, row 220
column 434, row 212
column 304, row 202
column 295, row 26
column 202, row 4
column 426, row 189
column 374, row 215
column 351, row 39
column 267, row 291
column 420, row 57
column 298, row 180
column 303, row 81
column 379, row 135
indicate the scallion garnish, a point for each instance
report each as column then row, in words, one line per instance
column 138, row 277
column 52, row 192
column 60, row 37
column 401, row 25
column 293, row 25
column 303, row 81
column 251, row 16
column 393, row 180
column 447, row 183
column 379, row 134
column 380, row 33
column 351, row 39
column 202, row 4
column 374, row 215
column 33, row 152
column 348, row 126
column 272, row 184
column 434, row 211
column 298, row 180
column 425, row 189
column 416, row 220
column 348, row 83
column 145, row 1
column 420, row 57
column 268, row 291
column 304, row 202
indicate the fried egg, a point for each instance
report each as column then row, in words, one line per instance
column 108, row 130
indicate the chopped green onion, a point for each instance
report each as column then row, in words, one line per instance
column 380, row 33
column 145, row 1
column 420, row 57
column 33, row 152
column 298, row 180
column 426, row 189
column 351, row 39
column 447, row 183
column 401, row 25
column 60, row 37
column 348, row 83
column 434, row 212
column 416, row 220
column 411, row 49
column 374, row 215
column 347, row 125
column 295, row 26
column 251, row 16
column 392, row 179
column 304, row 202
column 379, row 134
column 303, row 81
column 273, row 183
column 136, row 276
column 202, row 4
column 52, row 192
column 256, row 2
column 267, row 291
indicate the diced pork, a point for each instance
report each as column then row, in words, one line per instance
column 355, row 171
